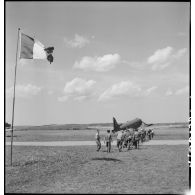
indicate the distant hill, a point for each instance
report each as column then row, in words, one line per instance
column 87, row 126
column 53, row 127
column 175, row 123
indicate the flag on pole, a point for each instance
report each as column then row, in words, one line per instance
column 34, row 49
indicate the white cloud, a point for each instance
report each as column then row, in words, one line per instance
column 124, row 88
column 163, row 58
column 23, row 91
column 149, row 90
column 180, row 53
column 135, row 65
column 182, row 90
column 81, row 98
column 178, row 92
column 100, row 64
column 78, row 89
column 63, row 98
column 161, row 55
column 78, row 41
column 160, row 66
column 169, row 92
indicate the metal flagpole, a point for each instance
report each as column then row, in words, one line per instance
column 14, row 93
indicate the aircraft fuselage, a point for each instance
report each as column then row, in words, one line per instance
column 136, row 123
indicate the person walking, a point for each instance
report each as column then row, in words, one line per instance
column 130, row 139
column 97, row 137
column 152, row 133
column 108, row 140
column 149, row 134
column 119, row 140
column 136, row 139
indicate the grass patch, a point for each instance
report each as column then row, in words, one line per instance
column 88, row 135
column 152, row 169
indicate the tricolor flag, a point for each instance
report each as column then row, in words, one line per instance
column 33, row 49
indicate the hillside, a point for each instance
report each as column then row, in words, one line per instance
column 88, row 126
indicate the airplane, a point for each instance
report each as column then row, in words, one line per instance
column 134, row 124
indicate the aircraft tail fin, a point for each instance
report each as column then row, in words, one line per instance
column 115, row 125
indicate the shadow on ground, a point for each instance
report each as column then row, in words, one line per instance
column 107, row 159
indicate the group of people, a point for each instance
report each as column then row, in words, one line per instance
column 125, row 138
column 107, row 139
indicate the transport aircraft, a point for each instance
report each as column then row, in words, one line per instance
column 134, row 124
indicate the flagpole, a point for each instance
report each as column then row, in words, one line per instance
column 14, row 93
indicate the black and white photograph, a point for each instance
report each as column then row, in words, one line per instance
column 97, row 97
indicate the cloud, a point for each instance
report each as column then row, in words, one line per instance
column 99, row 64
column 124, row 88
column 63, row 98
column 149, row 90
column 23, row 91
column 169, row 92
column 182, row 90
column 160, row 55
column 135, row 65
column 78, row 89
column 78, row 41
column 81, row 98
column 163, row 58
column 177, row 92
column 180, row 53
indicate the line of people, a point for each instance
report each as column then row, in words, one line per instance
column 125, row 138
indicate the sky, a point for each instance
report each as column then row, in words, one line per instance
column 121, row 59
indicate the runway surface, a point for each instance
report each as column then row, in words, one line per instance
column 91, row 143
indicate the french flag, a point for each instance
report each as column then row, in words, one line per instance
column 34, row 49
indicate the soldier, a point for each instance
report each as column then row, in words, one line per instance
column 142, row 135
column 119, row 140
column 149, row 134
column 130, row 139
column 123, row 140
column 152, row 133
column 126, row 138
column 136, row 139
column 108, row 140
column 97, row 137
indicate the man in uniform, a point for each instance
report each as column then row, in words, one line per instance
column 152, row 133
column 108, row 140
column 149, row 134
column 136, row 139
column 130, row 139
column 97, row 138
column 125, row 138
column 119, row 140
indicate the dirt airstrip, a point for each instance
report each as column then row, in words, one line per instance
column 91, row 143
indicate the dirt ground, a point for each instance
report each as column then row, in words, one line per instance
column 92, row 143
